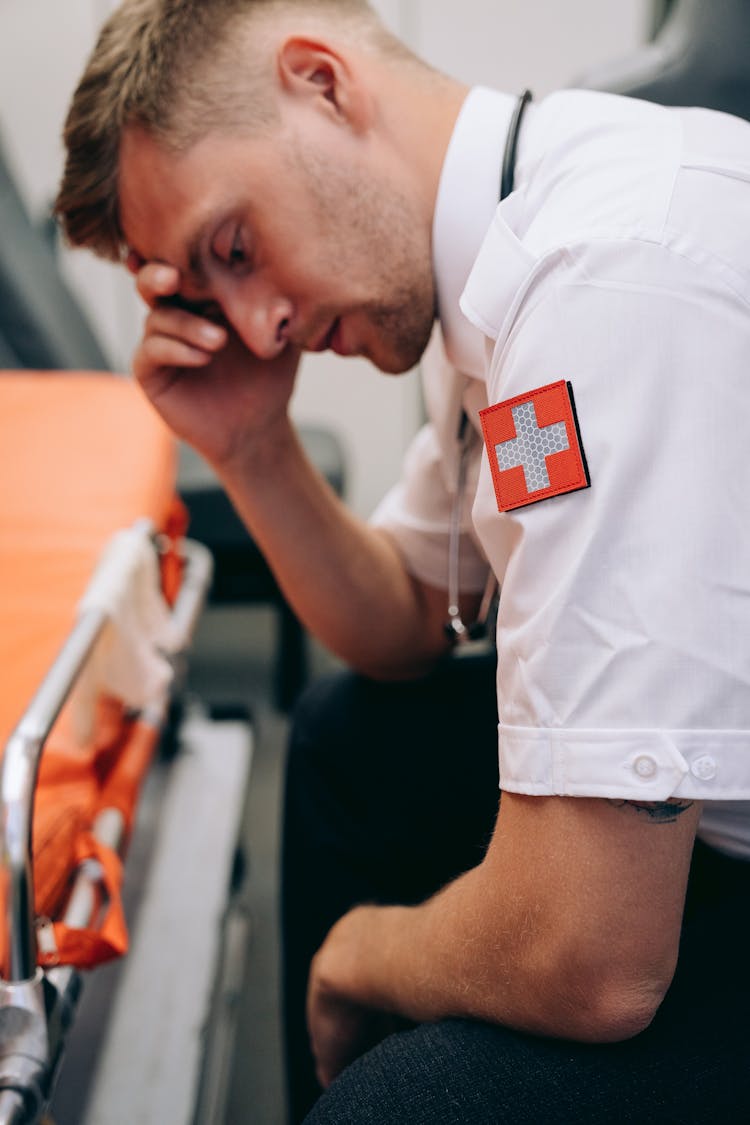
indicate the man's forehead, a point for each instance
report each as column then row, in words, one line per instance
column 168, row 202
column 145, row 182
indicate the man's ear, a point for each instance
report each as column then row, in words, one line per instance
column 311, row 69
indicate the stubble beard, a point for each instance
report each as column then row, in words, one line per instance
column 404, row 331
column 374, row 231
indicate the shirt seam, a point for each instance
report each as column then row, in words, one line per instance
column 570, row 250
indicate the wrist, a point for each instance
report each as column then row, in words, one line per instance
column 254, row 454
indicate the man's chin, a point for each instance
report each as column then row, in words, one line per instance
column 398, row 360
column 394, row 366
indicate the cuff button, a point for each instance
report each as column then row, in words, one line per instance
column 704, row 768
column 645, row 766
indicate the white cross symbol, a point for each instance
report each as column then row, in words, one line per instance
column 531, row 446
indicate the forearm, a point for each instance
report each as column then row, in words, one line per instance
column 569, row 927
column 438, row 961
column 344, row 579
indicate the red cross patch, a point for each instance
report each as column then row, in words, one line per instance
column 534, row 446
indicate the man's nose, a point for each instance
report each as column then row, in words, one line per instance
column 261, row 318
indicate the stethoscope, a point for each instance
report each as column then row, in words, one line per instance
column 457, row 631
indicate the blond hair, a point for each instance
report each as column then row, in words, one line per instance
column 178, row 69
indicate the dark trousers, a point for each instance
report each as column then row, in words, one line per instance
column 391, row 792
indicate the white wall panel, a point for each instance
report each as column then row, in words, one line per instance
column 514, row 44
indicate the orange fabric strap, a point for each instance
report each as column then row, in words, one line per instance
column 92, row 945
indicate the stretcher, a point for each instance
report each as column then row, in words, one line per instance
column 101, row 591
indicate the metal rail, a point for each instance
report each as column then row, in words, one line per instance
column 20, row 764
column 36, row 1008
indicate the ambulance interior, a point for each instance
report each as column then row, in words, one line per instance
column 149, row 662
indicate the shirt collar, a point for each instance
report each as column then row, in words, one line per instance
column 466, row 202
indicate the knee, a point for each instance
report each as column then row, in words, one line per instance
column 413, row 1077
column 455, row 1072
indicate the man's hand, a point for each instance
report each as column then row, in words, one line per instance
column 209, row 388
column 569, row 927
column 340, row 1028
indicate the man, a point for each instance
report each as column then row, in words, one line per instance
column 283, row 175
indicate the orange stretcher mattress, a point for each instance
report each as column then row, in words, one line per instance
column 83, row 455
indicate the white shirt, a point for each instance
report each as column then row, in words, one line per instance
column 621, row 263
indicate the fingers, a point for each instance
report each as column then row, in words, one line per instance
column 192, row 323
column 159, row 284
column 153, row 280
column 176, row 338
column 161, row 352
column 180, row 324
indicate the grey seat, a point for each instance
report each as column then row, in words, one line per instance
column 241, row 573
column 8, row 358
column 42, row 325
column 699, row 56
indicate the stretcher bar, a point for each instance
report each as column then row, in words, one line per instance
column 36, row 1007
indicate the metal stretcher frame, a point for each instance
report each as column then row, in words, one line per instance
column 36, row 1006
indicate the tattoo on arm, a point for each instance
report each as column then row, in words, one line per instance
column 659, row 812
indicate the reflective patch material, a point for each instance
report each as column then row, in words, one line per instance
column 534, row 446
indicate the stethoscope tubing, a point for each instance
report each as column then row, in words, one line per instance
column 455, row 627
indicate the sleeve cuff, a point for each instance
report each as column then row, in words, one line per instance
column 644, row 765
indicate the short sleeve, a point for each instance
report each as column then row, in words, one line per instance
column 623, row 654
